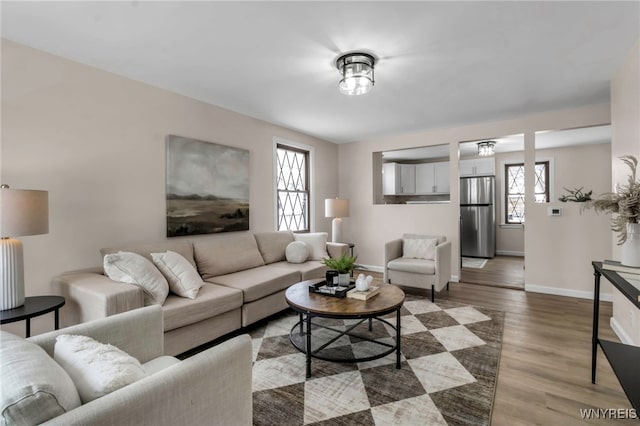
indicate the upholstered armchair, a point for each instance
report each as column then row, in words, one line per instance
column 420, row 261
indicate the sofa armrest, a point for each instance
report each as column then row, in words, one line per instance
column 91, row 295
column 392, row 250
column 210, row 388
column 337, row 249
column 443, row 265
column 139, row 332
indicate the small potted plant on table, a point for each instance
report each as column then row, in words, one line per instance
column 343, row 264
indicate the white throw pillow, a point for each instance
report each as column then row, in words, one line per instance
column 316, row 242
column 134, row 269
column 96, row 368
column 297, row 252
column 33, row 388
column 182, row 276
column 419, row 248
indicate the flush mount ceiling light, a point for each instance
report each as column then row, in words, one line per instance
column 357, row 73
column 486, row 148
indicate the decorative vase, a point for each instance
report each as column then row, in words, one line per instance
column 631, row 248
column 343, row 279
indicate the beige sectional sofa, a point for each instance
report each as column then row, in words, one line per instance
column 245, row 275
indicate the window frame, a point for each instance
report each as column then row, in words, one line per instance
column 505, row 176
column 308, row 151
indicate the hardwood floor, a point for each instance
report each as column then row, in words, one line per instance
column 545, row 368
column 501, row 271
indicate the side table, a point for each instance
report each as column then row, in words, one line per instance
column 33, row 307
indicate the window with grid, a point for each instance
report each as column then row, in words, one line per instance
column 514, row 189
column 293, row 195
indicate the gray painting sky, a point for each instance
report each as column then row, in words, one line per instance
column 203, row 168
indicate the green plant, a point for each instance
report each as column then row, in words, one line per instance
column 576, row 195
column 624, row 203
column 343, row 264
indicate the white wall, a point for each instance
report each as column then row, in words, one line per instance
column 370, row 226
column 625, row 115
column 566, row 245
column 96, row 142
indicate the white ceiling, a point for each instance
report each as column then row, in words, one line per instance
column 441, row 63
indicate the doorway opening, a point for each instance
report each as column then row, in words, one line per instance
column 492, row 212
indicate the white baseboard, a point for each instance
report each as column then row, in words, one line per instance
column 622, row 335
column 454, row 279
column 373, row 268
column 580, row 294
column 510, row 253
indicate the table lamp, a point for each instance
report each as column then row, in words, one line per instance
column 22, row 212
column 337, row 209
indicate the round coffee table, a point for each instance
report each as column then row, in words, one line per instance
column 310, row 305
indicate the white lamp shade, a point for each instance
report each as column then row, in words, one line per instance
column 336, row 207
column 23, row 212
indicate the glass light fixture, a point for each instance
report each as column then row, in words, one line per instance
column 486, row 148
column 357, row 73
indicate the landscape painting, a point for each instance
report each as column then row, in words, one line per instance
column 207, row 187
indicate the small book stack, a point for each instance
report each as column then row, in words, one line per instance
column 363, row 295
column 614, row 265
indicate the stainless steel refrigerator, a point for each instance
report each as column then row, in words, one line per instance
column 477, row 216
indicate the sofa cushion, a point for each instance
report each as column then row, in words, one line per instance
column 417, row 266
column 317, row 242
column 158, row 364
column 272, row 245
column 441, row 238
column 184, row 247
column 419, row 248
column 224, row 254
column 297, row 252
column 309, row 270
column 259, row 282
column 132, row 268
column 96, row 368
column 182, row 276
column 212, row 300
column 34, row 388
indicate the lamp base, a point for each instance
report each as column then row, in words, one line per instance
column 336, row 230
column 11, row 274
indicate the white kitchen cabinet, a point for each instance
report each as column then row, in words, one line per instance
column 478, row 167
column 398, row 179
column 391, row 179
column 432, row 178
column 441, row 173
column 407, row 178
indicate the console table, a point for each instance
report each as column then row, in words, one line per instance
column 623, row 358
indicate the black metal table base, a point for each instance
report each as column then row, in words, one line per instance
column 305, row 322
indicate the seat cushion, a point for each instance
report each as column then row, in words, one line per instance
column 34, row 388
column 272, row 245
column 309, row 270
column 158, row 364
column 212, row 300
column 259, row 282
column 417, row 266
column 224, row 254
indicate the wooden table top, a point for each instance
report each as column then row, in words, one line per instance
column 301, row 299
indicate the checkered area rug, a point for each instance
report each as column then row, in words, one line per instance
column 449, row 365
